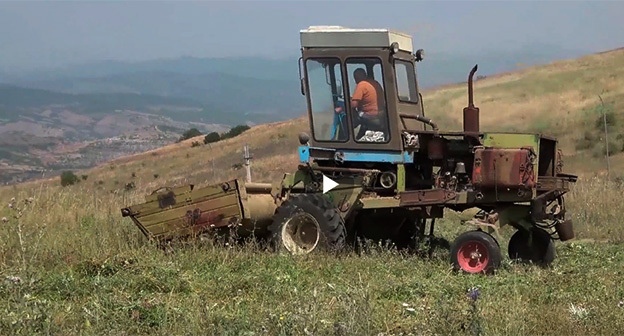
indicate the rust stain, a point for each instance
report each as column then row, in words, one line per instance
column 199, row 219
column 166, row 200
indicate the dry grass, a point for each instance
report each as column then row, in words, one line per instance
column 554, row 99
column 82, row 269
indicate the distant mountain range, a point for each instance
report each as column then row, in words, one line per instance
column 222, row 98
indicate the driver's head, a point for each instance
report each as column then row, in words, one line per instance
column 359, row 75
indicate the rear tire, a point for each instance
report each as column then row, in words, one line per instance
column 306, row 223
column 532, row 246
column 475, row 252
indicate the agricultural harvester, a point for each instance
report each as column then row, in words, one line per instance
column 387, row 170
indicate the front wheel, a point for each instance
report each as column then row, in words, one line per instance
column 475, row 252
column 306, row 223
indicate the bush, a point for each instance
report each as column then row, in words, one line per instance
column 588, row 141
column 614, row 148
column 212, row 137
column 195, row 144
column 68, row 178
column 84, row 177
column 129, row 186
column 610, row 117
column 193, row 132
column 236, row 130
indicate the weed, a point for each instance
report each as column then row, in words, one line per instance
column 129, row 186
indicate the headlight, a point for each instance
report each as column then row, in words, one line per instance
column 394, row 47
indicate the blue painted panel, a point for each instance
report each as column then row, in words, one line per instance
column 390, row 157
column 360, row 156
column 304, row 154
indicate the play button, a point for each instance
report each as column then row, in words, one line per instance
column 328, row 184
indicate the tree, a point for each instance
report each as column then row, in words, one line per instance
column 191, row 133
column 212, row 137
column 236, row 130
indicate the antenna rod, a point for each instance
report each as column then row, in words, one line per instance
column 247, row 158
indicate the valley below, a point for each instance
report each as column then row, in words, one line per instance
column 44, row 141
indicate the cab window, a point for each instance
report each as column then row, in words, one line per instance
column 367, row 99
column 406, row 81
column 327, row 105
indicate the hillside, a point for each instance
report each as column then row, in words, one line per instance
column 43, row 130
column 72, row 265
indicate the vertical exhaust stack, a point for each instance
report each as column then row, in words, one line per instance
column 471, row 113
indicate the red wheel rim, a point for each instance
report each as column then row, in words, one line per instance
column 472, row 257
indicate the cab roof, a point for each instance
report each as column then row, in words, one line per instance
column 341, row 37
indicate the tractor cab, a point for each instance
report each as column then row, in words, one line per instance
column 361, row 89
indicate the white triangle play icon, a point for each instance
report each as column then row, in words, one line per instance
column 328, row 184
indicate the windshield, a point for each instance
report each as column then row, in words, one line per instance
column 327, row 106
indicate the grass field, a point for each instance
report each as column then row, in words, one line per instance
column 71, row 265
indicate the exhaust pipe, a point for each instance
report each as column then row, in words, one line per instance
column 471, row 113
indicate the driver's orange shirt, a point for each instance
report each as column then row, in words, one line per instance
column 365, row 99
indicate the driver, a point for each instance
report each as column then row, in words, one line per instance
column 366, row 103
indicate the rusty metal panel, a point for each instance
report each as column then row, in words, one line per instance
column 546, row 183
column 179, row 192
column 199, row 219
column 376, row 202
column 511, row 140
column 182, row 211
column 211, row 191
column 437, row 148
column 548, row 158
column 163, row 198
column 496, row 168
column 426, row 197
column 167, row 198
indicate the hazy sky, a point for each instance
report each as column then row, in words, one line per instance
column 35, row 34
